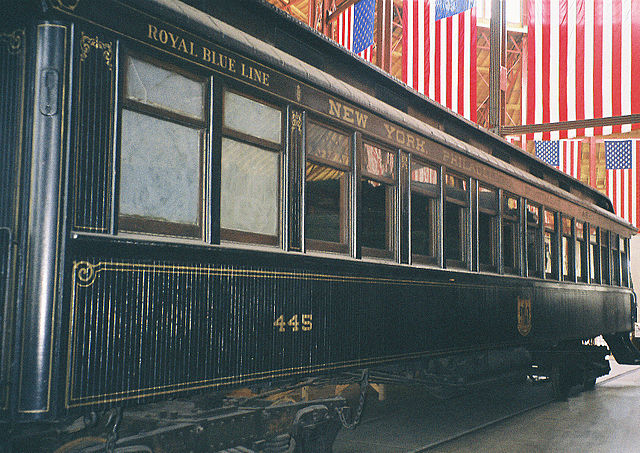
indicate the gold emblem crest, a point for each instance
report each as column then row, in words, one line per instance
column 524, row 316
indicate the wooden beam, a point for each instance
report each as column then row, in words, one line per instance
column 384, row 10
column 339, row 9
column 568, row 125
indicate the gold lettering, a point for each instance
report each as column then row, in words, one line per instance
column 334, row 108
column 206, row 55
column 389, row 129
column 174, row 39
column 265, row 79
column 411, row 141
column 163, row 37
column 361, row 118
column 348, row 114
column 420, row 144
column 153, row 32
column 191, row 51
column 183, row 46
column 401, row 140
column 232, row 65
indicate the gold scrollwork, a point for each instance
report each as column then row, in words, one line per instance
column 298, row 93
column 88, row 42
column 86, row 273
column 13, row 41
column 404, row 162
column 296, row 122
column 68, row 5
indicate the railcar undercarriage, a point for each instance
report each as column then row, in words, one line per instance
column 303, row 416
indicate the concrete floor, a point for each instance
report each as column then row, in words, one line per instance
column 604, row 420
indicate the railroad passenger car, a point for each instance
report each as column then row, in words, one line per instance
column 197, row 196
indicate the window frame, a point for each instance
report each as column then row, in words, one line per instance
column 465, row 207
column 516, row 222
column 494, row 227
column 141, row 225
column 554, row 243
column 391, row 201
column 347, row 213
column 247, row 237
column 583, row 246
column 434, row 200
column 568, row 249
column 537, row 229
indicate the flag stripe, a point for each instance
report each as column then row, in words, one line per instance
column 580, row 63
column 622, row 177
column 439, row 57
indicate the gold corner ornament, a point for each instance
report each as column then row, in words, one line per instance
column 88, row 42
column 14, row 41
column 86, row 273
column 524, row 316
column 296, row 122
column 68, row 5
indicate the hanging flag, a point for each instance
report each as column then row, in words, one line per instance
column 439, row 56
column 355, row 28
column 562, row 154
column 622, row 177
column 579, row 65
column 448, row 8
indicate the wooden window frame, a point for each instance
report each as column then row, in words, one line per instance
column 247, row 237
column 346, row 195
column 605, row 254
column 434, row 200
column 594, row 255
column 465, row 207
column 494, row 226
column 391, row 203
column 583, row 245
column 555, row 252
column 537, row 228
column 571, row 253
column 135, row 224
column 515, row 221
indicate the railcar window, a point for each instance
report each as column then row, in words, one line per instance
column 161, row 150
column 378, row 201
column 550, row 245
column 604, row 257
column 581, row 252
column 567, row 249
column 510, row 233
column 425, row 196
column 624, row 260
column 487, row 227
column 456, row 220
column 250, row 171
column 615, row 257
column 594, row 248
column 327, row 189
column 534, row 245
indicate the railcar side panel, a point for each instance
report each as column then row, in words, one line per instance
column 143, row 328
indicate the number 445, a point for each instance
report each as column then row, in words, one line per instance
column 294, row 324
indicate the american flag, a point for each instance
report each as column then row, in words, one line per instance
column 622, row 177
column 355, row 28
column 439, row 56
column 580, row 59
column 562, row 154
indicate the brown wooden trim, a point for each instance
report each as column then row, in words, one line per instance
column 567, row 125
column 251, row 140
column 326, row 246
column 164, row 114
column 377, row 253
column 139, row 224
column 327, row 163
column 245, row 236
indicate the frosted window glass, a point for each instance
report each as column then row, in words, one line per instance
column 328, row 144
column 249, row 192
column 157, row 86
column 252, row 118
column 159, row 169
